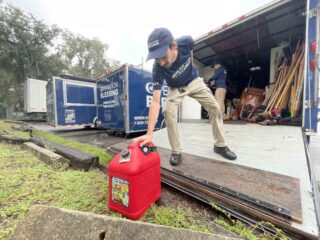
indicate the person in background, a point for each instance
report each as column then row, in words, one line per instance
column 219, row 81
column 173, row 63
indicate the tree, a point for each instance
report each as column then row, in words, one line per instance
column 24, row 51
column 85, row 57
column 27, row 50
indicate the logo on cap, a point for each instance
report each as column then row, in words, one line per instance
column 153, row 44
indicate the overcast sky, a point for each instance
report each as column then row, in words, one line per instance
column 125, row 25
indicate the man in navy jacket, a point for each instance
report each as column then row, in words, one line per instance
column 173, row 63
column 219, row 81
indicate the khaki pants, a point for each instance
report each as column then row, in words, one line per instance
column 220, row 94
column 199, row 91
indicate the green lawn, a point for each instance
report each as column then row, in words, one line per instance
column 104, row 158
column 9, row 129
column 25, row 181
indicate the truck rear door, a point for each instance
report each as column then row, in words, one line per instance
column 111, row 101
column 310, row 107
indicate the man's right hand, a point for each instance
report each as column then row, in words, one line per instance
column 145, row 139
column 153, row 116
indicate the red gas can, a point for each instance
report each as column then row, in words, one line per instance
column 134, row 180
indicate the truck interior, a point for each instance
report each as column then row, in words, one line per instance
column 244, row 46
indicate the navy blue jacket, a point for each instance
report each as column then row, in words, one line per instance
column 220, row 78
column 181, row 72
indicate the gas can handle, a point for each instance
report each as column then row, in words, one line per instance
column 147, row 149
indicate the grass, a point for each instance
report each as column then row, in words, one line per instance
column 176, row 217
column 10, row 130
column 24, row 181
column 246, row 232
column 104, row 158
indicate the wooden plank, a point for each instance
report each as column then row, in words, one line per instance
column 13, row 140
column 78, row 159
column 276, row 189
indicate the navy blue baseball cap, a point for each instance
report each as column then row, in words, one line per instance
column 158, row 43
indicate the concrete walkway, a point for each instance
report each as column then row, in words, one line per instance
column 44, row 222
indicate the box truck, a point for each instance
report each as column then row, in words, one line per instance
column 35, row 98
column 124, row 97
column 71, row 100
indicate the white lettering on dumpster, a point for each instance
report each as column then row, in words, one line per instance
column 141, row 120
column 109, row 90
column 149, row 100
column 149, row 89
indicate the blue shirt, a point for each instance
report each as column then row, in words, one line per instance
column 181, row 72
column 220, row 78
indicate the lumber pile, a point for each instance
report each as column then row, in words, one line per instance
column 288, row 88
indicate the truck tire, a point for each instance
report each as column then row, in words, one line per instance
column 111, row 132
column 95, row 122
column 120, row 134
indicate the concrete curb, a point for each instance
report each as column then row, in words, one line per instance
column 50, row 223
column 43, row 154
column 77, row 159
